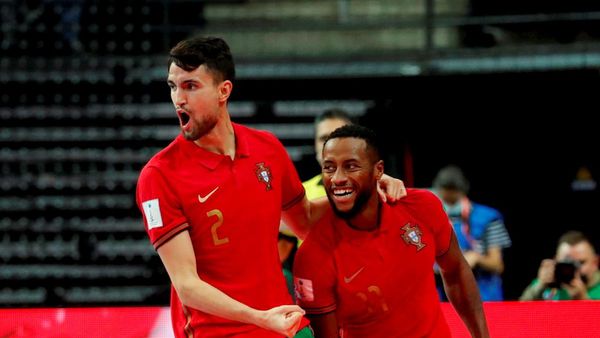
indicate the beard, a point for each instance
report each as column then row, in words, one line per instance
column 199, row 129
column 359, row 204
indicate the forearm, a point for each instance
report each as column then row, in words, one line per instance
column 197, row 294
column 317, row 208
column 490, row 261
column 463, row 293
column 532, row 292
column 178, row 257
column 302, row 216
column 491, row 264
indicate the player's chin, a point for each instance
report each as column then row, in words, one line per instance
column 344, row 209
column 344, row 203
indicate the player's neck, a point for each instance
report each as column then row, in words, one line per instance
column 368, row 219
column 221, row 139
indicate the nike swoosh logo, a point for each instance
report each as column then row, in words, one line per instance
column 203, row 199
column 349, row 279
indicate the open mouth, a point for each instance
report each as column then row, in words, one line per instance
column 342, row 192
column 184, row 117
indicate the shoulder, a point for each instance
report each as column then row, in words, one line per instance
column 163, row 159
column 485, row 212
column 416, row 198
column 255, row 135
column 259, row 141
column 321, row 237
column 425, row 206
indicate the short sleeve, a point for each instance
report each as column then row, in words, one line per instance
column 158, row 203
column 496, row 235
column 314, row 279
column 432, row 211
column 442, row 228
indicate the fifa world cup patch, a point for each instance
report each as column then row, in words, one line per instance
column 263, row 173
column 412, row 235
column 303, row 289
column 152, row 213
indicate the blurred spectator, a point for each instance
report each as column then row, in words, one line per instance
column 325, row 123
column 479, row 229
column 573, row 274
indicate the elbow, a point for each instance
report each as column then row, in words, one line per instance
column 185, row 290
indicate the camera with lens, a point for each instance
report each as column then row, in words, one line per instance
column 564, row 272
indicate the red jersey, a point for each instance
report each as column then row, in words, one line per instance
column 231, row 209
column 380, row 283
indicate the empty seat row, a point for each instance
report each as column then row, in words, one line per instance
column 109, row 294
column 40, row 248
column 108, row 180
column 133, row 294
column 78, row 95
column 25, row 272
column 70, row 134
column 23, row 296
column 73, row 202
column 97, row 225
column 87, row 64
column 107, row 155
column 128, row 248
column 128, row 111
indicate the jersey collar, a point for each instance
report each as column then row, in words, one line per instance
column 211, row 160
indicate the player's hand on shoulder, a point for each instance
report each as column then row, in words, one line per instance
column 390, row 189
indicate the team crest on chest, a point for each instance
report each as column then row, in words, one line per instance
column 412, row 235
column 263, row 173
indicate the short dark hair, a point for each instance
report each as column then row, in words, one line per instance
column 451, row 177
column 334, row 113
column 573, row 237
column 212, row 52
column 360, row 132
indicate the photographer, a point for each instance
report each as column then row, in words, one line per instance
column 572, row 275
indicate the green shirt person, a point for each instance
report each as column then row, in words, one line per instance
column 584, row 283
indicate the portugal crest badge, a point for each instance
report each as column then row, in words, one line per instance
column 412, row 235
column 263, row 173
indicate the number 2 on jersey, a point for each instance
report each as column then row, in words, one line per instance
column 213, row 229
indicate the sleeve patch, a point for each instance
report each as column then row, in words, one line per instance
column 152, row 213
column 304, row 289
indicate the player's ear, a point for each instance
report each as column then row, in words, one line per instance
column 379, row 169
column 225, row 89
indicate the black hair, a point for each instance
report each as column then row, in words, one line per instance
column 360, row 132
column 212, row 52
